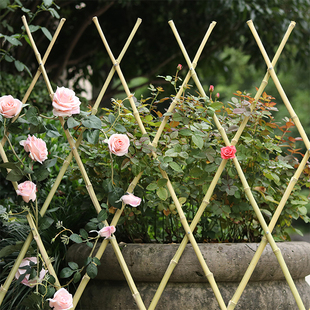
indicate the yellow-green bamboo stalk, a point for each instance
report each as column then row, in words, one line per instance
column 279, row 208
column 33, row 82
column 74, row 149
column 38, row 57
column 278, row 86
column 26, row 245
column 263, row 243
column 188, row 76
column 41, row 247
column 243, row 180
column 208, row 274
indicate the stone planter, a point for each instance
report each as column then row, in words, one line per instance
column 188, row 288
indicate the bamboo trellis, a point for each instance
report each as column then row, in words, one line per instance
column 74, row 144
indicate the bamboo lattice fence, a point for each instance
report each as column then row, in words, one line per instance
column 74, row 145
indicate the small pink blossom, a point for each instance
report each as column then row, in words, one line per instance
column 36, row 147
column 65, row 102
column 228, row 152
column 217, row 95
column 26, row 262
column 27, row 190
column 211, row 88
column 179, row 67
column 62, row 300
column 107, row 231
column 9, row 106
column 132, row 200
column 119, row 144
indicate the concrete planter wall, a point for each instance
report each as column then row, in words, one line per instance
column 188, row 288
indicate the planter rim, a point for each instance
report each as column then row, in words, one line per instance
column 227, row 261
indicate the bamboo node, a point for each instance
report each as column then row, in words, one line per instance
column 294, row 117
column 209, row 275
column 136, row 295
column 276, row 251
column 206, row 201
column 232, row 303
column 3, row 289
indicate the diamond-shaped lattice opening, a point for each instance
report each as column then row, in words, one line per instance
column 268, row 238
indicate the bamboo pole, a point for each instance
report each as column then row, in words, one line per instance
column 248, row 192
column 278, row 86
column 283, row 200
column 263, row 243
column 34, row 80
column 41, row 247
column 4, row 288
column 210, row 190
column 81, row 168
column 188, row 76
column 183, row 220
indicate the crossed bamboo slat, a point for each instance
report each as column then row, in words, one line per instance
column 4, row 288
column 246, row 187
column 206, row 199
column 183, row 220
column 188, row 229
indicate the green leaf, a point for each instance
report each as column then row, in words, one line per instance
column 120, row 128
column 175, row 166
column 92, row 270
column 66, row 272
column 92, row 121
column 115, row 196
column 41, row 174
column 13, row 41
column 198, row 141
column 171, row 153
column 49, row 163
column 73, row 265
column 185, row 132
column 111, row 118
column 33, row 28
column 19, row 65
column 47, row 33
column 92, row 136
column 83, row 233
column 162, row 193
column 152, row 186
column 162, row 182
column 46, row 222
column 9, row 249
column 10, row 165
column 15, row 175
column 76, row 238
column 216, row 105
column 77, row 277
column 71, row 122
column 32, row 116
column 102, row 215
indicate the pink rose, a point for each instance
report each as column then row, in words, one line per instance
column 107, row 231
column 132, row 200
column 119, row 144
column 10, row 107
column 211, row 88
column 65, row 102
column 62, row 300
column 27, row 190
column 26, row 262
column 228, row 152
column 217, row 95
column 179, row 67
column 36, row 147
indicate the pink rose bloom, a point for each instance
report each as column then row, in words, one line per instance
column 10, row 107
column 27, row 190
column 26, row 262
column 107, row 231
column 119, row 144
column 228, row 152
column 211, row 88
column 218, row 95
column 65, row 102
column 132, row 200
column 62, row 300
column 179, row 67
column 36, row 147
